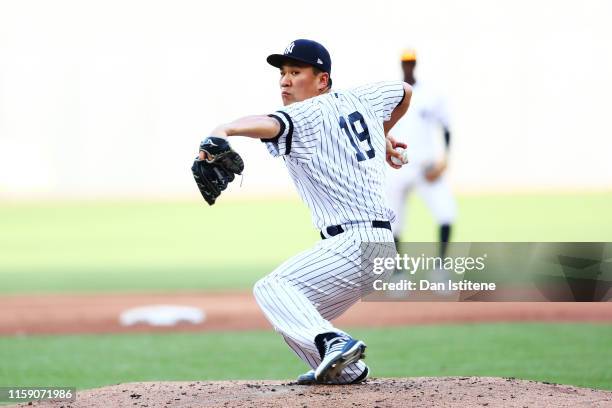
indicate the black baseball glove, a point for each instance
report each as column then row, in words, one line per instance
column 218, row 169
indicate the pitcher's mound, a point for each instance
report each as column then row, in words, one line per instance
column 378, row 392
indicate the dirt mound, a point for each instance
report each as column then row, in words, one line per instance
column 381, row 392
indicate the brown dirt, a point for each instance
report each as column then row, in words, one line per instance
column 408, row 392
column 99, row 313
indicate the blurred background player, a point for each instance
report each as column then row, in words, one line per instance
column 426, row 170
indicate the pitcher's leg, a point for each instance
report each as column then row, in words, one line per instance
column 311, row 358
column 303, row 294
column 286, row 295
column 290, row 312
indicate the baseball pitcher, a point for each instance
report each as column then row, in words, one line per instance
column 334, row 145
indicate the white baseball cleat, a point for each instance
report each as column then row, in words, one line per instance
column 339, row 352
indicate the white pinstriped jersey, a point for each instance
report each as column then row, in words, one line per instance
column 334, row 148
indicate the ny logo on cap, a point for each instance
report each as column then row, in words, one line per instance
column 289, row 48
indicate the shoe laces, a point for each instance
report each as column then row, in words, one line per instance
column 335, row 344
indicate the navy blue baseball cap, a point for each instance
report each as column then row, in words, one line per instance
column 306, row 51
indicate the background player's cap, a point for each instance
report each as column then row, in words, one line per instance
column 306, row 51
column 409, row 54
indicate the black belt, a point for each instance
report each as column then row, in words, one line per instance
column 337, row 229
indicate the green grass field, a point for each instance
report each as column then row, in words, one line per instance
column 77, row 247
column 577, row 354
column 58, row 247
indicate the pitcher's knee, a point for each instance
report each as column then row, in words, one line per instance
column 262, row 289
column 257, row 288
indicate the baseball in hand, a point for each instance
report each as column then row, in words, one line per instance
column 404, row 154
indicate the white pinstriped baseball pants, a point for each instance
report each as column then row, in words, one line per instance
column 301, row 296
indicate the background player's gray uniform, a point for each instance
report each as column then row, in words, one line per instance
column 418, row 128
column 334, row 148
